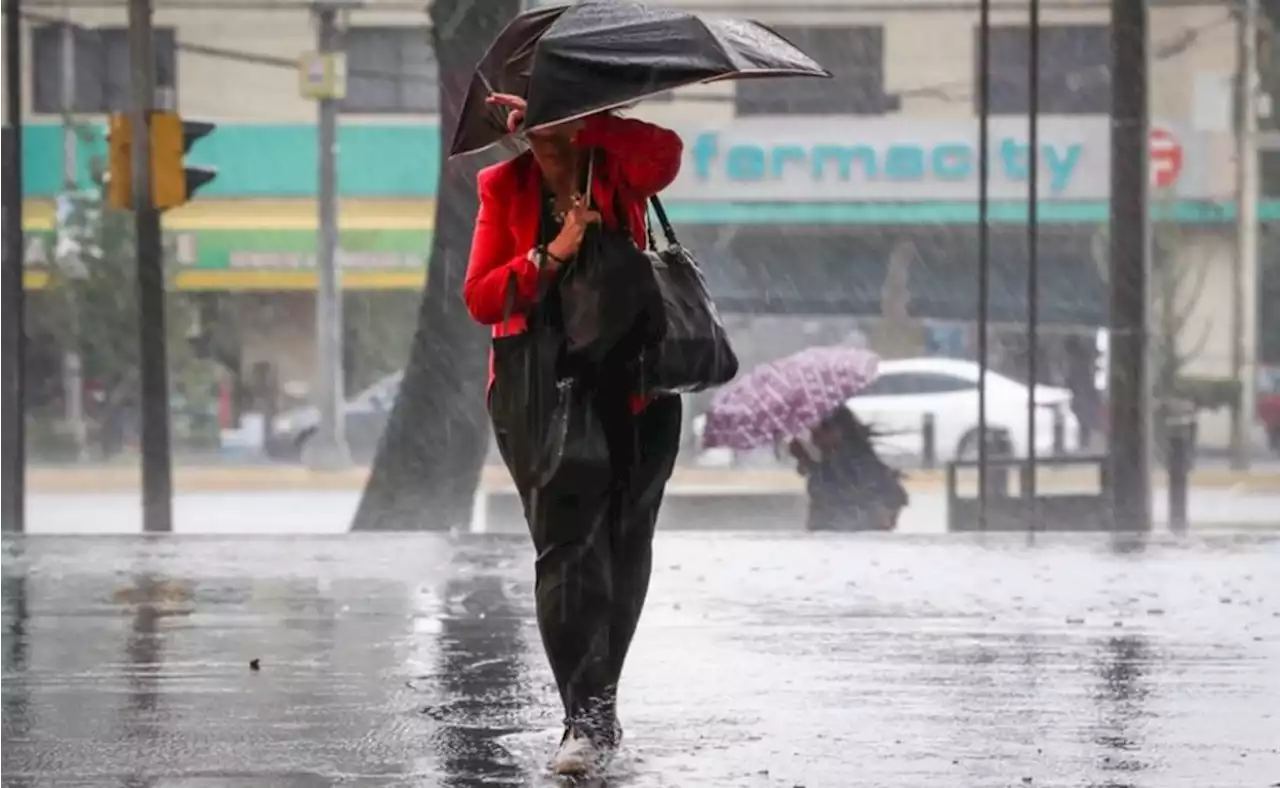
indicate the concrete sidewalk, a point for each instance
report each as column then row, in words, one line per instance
column 686, row 480
column 330, row 512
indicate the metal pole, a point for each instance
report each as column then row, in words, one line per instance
column 14, row 355
column 157, row 482
column 1244, row 273
column 328, row 449
column 68, row 99
column 1130, row 474
column 73, row 381
column 1179, row 468
column 1033, row 258
column 984, row 263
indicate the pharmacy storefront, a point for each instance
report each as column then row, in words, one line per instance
column 835, row 217
column 839, row 219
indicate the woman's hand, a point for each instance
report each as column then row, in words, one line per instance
column 515, row 104
column 804, row 460
column 576, row 221
column 515, row 117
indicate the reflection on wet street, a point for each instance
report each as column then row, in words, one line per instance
column 761, row 661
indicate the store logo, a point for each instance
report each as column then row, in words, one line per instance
column 899, row 162
column 1165, row 158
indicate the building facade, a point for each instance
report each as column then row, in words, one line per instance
column 801, row 197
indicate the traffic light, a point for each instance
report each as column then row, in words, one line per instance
column 172, row 182
column 119, row 176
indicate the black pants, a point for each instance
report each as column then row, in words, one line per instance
column 593, row 535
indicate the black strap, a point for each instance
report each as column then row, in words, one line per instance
column 620, row 212
column 667, row 229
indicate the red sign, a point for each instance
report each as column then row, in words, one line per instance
column 1166, row 158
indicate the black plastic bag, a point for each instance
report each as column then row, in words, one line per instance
column 542, row 419
column 575, row 444
column 693, row 351
column 541, row 442
column 607, row 290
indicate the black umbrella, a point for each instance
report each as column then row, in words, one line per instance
column 604, row 54
column 599, row 55
column 505, row 68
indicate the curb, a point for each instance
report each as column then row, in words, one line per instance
column 249, row 479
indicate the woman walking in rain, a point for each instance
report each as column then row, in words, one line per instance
column 850, row 487
column 592, row 530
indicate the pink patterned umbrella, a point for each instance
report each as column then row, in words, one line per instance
column 786, row 398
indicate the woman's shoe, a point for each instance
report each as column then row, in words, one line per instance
column 579, row 755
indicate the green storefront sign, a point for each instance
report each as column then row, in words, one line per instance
column 294, row 250
column 271, row 259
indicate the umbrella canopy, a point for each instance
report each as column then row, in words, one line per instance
column 598, row 55
column 786, row 398
column 603, row 54
column 505, row 68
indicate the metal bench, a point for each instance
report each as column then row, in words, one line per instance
column 1010, row 506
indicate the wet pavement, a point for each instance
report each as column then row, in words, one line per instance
column 786, row 660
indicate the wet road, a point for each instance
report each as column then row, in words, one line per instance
column 813, row 660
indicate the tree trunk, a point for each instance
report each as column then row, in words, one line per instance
column 428, row 464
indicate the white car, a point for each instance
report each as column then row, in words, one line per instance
column 366, row 413
column 907, row 389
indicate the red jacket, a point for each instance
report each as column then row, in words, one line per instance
column 640, row 160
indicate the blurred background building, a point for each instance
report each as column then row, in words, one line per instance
column 824, row 211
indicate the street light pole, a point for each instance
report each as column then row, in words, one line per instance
column 1244, row 272
column 1129, row 474
column 157, row 470
column 73, row 379
column 13, row 485
column 328, row 450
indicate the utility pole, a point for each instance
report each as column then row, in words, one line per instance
column 1244, row 273
column 72, row 369
column 15, row 347
column 1129, row 472
column 328, row 449
column 157, row 481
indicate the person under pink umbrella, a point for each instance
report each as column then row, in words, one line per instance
column 850, row 487
column 804, row 394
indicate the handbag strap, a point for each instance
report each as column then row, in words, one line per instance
column 665, row 223
column 620, row 210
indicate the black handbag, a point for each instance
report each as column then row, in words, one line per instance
column 693, row 351
column 607, row 291
column 543, row 419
